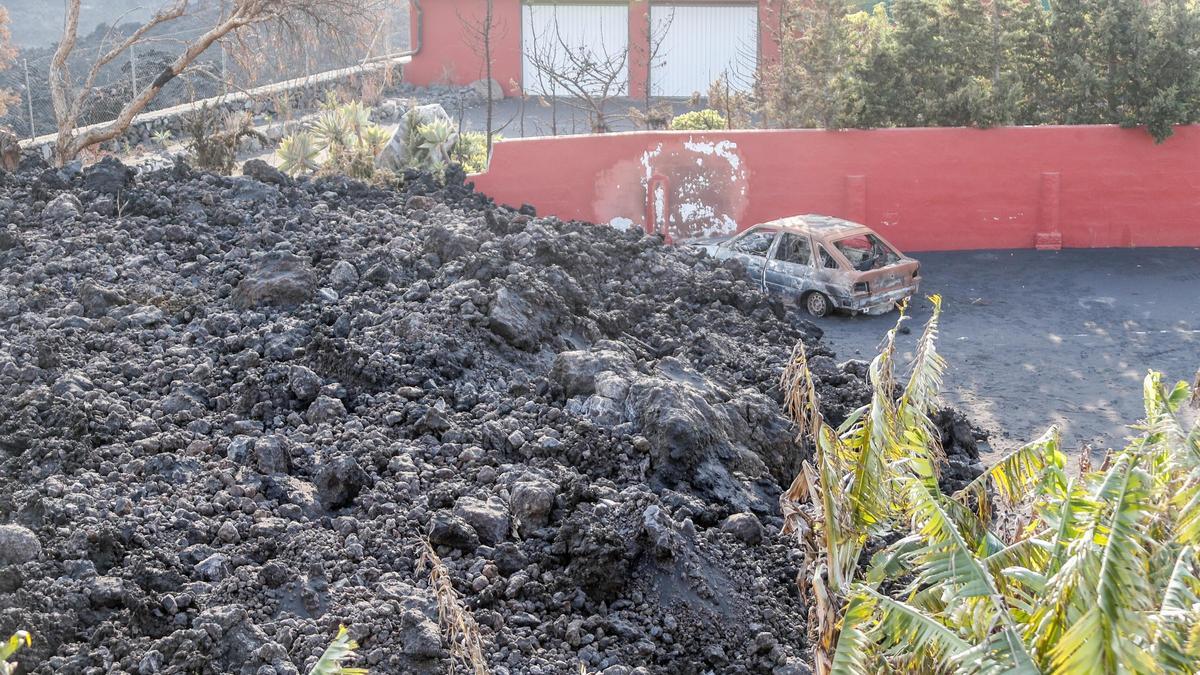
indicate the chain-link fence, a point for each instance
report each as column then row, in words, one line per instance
column 240, row 63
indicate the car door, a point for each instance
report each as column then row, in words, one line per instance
column 790, row 270
column 751, row 249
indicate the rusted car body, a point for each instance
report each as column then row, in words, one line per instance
column 822, row 263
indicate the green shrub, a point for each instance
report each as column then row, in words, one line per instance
column 471, row 151
column 214, row 137
column 342, row 139
column 699, row 120
column 1028, row 569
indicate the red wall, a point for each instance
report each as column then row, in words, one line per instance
column 449, row 54
column 925, row 189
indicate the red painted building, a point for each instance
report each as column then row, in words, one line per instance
column 661, row 47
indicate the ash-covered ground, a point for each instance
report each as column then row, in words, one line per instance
column 230, row 408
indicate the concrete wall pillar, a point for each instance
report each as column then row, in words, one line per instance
column 1049, row 235
column 639, row 48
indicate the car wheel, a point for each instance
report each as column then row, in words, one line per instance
column 817, row 304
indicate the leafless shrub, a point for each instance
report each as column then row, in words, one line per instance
column 304, row 19
column 459, row 629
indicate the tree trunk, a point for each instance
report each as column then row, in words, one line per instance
column 487, row 58
column 70, row 141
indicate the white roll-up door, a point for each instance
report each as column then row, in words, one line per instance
column 697, row 43
column 585, row 43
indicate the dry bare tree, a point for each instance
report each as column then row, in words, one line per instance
column 588, row 77
column 479, row 31
column 656, row 34
column 70, row 98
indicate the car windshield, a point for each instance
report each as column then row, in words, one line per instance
column 867, row 252
column 754, row 243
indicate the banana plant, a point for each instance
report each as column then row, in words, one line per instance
column 1029, row 569
column 341, row 649
column 15, row 642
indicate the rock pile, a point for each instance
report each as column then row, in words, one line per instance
column 230, row 408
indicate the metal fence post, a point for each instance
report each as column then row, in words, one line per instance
column 29, row 99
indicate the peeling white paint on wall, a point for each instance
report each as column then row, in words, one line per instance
column 705, row 179
column 660, row 207
column 721, row 149
column 621, row 223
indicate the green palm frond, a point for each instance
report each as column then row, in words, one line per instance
column 1014, row 477
column 925, row 381
column 874, row 442
column 947, row 560
column 339, row 650
column 1111, row 632
column 855, row 652
column 902, row 625
column 1177, row 624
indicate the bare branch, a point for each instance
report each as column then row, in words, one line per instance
column 302, row 16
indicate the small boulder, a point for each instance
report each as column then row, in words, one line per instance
column 264, row 173
column 271, row 455
column 489, row 519
column 395, row 153
column 62, row 208
column 97, row 299
column 108, row 176
column 339, row 481
column 325, row 409
column 279, row 278
column 343, row 275
column 18, row 545
column 745, row 527
column 304, row 383
column 447, row 529
column 531, row 502
column 482, row 86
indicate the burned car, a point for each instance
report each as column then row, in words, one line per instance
column 822, row 263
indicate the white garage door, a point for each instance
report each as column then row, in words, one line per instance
column 696, row 44
column 582, row 43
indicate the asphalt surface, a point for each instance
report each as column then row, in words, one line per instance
column 1038, row 338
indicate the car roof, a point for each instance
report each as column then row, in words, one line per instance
column 824, row 226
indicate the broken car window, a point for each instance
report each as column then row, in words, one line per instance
column 795, row 249
column 826, row 259
column 755, row 243
column 867, row 252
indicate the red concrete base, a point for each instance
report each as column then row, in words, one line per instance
column 1049, row 241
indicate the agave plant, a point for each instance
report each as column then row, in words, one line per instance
column 339, row 650
column 298, row 153
column 1028, row 569
column 331, row 130
column 375, row 138
column 431, row 143
column 8, row 649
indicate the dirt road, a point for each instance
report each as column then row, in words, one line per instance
column 1036, row 338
